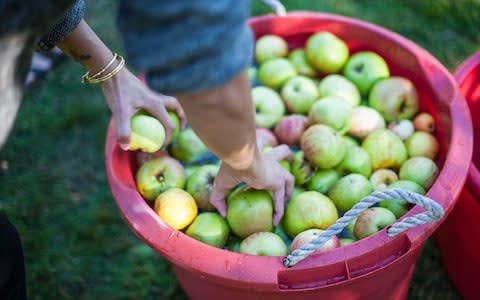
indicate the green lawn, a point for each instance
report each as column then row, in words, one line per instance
column 53, row 184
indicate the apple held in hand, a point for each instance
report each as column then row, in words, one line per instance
column 386, row 149
column 270, row 46
column 290, row 128
column 299, row 60
column 158, row 175
column 421, row 170
column 331, row 111
column 269, row 107
column 395, row 98
column 364, row 69
column 400, row 206
column 299, row 93
column 422, row 143
column 300, row 168
column 275, row 72
column 200, row 185
column 264, row 244
column 322, row 180
column 326, row 52
column 349, row 190
column 265, row 138
column 147, row 134
column 365, row 120
column 339, row 86
column 372, row 220
column 249, row 211
column 382, row 178
column 322, row 146
column 188, row 147
column 308, row 235
column 209, row 228
column 309, row 210
column 356, row 160
column 176, row 121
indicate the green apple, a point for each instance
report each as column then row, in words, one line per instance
column 309, row 210
column 275, row 72
column 147, row 133
column 264, row 244
column 299, row 60
column 356, row 160
column 200, row 185
column 278, row 230
column 346, row 241
column 339, row 86
column 400, row 206
column 176, row 122
column 188, row 147
column 424, row 122
column 290, row 128
column 326, row 52
column 269, row 107
column 382, row 178
column 322, row 180
column 322, row 146
column 364, row 69
column 249, row 211
column 421, row 170
column 372, row 220
column 158, row 175
column 331, row 111
column 308, row 235
column 403, row 128
column 300, row 168
column 297, row 190
column 365, row 120
column 349, row 190
column 209, row 228
column 350, row 142
column 190, row 169
column 395, row 98
column 299, row 93
column 386, row 149
column 270, row 46
column 422, row 143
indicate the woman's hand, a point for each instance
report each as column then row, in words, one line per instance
column 126, row 94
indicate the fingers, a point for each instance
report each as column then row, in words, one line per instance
column 122, row 125
column 172, row 104
column 279, row 202
column 281, row 152
column 222, row 185
column 289, row 185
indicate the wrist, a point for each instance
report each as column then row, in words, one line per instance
column 245, row 159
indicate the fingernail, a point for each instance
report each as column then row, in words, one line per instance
column 124, row 146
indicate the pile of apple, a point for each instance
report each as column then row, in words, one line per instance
column 353, row 129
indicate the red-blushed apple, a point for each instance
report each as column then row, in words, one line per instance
column 346, row 241
column 331, row 111
column 309, row 210
column 269, row 107
column 382, row 178
column 422, row 143
column 400, row 206
column 349, row 190
column 209, row 228
column 249, row 211
column 424, row 122
column 299, row 60
column 158, row 175
column 356, row 160
column 322, row 180
column 270, row 46
column 188, row 147
column 395, row 98
column 147, row 133
column 326, row 52
column 308, row 235
column 290, row 129
column 365, row 120
column 298, row 94
column 403, row 128
column 301, row 168
column 421, row 170
column 265, row 138
column 372, row 220
column 364, row 69
column 339, row 86
column 275, row 72
column 264, row 244
column 386, row 149
column 200, row 185
column 322, row 146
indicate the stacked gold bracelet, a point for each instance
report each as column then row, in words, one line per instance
column 101, row 76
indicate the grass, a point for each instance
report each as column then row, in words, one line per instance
column 53, row 183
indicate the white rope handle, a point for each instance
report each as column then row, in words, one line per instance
column 434, row 212
column 276, row 6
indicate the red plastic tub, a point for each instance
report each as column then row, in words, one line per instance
column 459, row 236
column 378, row 267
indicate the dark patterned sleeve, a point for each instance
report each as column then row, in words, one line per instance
column 63, row 26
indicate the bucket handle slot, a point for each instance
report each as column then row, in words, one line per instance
column 434, row 212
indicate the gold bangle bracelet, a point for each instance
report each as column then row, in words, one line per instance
column 98, row 77
column 87, row 75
